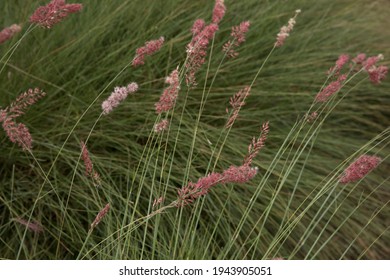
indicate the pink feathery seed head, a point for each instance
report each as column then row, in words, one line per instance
column 377, row 74
column 24, row 100
column 371, row 61
column 161, row 126
column 192, row 191
column 331, row 89
column 197, row 51
column 86, row 159
column 359, row 168
column 33, row 226
column 53, row 13
column 238, row 34
column 237, row 101
column 18, row 133
column 256, row 145
column 148, row 49
column 311, row 117
column 117, row 96
column 205, row 183
column 197, row 27
column 285, row 30
column 168, row 97
column 341, row 61
column 239, row 174
column 219, row 11
column 8, row 32
column 360, row 58
column 209, row 31
column 157, row 201
column 100, row 216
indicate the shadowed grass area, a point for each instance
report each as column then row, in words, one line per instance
column 294, row 208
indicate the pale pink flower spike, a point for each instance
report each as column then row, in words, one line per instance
column 117, row 96
column 285, row 30
column 331, row 89
column 9, row 32
column 17, row 132
column 100, row 216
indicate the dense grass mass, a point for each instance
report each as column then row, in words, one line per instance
column 294, row 208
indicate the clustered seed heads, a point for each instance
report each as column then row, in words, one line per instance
column 236, row 102
column 238, row 37
column 285, row 30
column 201, row 36
column 359, row 168
column 360, row 62
column 32, row 226
column 17, row 132
column 168, row 97
column 53, row 13
column 100, row 216
column 234, row 174
column 331, row 89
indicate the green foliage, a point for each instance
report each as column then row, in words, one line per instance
column 294, row 208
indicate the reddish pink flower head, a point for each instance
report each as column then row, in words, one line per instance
column 285, row 30
column 100, row 216
column 117, row 96
column 359, row 168
column 360, row 58
column 239, row 174
column 331, row 89
column 53, row 13
column 377, row 74
column 238, row 34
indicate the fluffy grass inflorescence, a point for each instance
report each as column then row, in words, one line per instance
column 190, row 191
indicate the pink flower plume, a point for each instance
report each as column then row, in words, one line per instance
column 285, row 30
column 219, row 11
column 17, row 132
column 359, row 168
column 168, row 97
column 117, row 96
column 53, row 13
column 8, row 32
column 148, row 49
column 238, row 35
